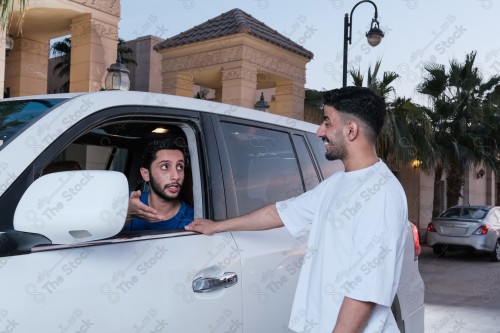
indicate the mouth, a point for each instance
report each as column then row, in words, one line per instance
column 173, row 188
column 326, row 142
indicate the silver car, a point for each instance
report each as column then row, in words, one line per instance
column 462, row 227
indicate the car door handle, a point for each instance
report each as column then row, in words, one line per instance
column 205, row 284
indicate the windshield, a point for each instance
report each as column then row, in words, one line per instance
column 16, row 114
column 465, row 212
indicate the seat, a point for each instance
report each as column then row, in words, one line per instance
column 61, row 166
column 187, row 186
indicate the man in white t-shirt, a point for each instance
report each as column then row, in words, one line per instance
column 356, row 222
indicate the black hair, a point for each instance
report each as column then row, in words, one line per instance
column 360, row 102
column 153, row 147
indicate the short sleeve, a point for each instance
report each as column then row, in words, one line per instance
column 298, row 213
column 377, row 247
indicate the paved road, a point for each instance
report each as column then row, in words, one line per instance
column 462, row 292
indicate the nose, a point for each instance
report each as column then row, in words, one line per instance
column 174, row 175
column 321, row 131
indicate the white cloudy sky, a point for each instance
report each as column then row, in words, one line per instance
column 417, row 31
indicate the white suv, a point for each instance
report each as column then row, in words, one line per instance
column 65, row 265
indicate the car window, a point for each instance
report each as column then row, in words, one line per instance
column 309, row 172
column 264, row 165
column 497, row 216
column 16, row 114
column 465, row 213
column 119, row 147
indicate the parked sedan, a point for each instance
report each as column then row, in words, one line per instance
column 473, row 227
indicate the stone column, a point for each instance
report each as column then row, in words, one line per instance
column 2, row 61
column 465, row 200
column 239, row 85
column 490, row 186
column 93, row 50
column 176, row 83
column 290, row 99
column 26, row 68
column 218, row 95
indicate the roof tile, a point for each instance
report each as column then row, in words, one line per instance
column 233, row 22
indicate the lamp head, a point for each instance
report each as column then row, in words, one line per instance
column 375, row 34
column 117, row 77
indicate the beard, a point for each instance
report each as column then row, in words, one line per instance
column 337, row 150
column 160, row 191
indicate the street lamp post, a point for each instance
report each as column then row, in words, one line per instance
column 374, row 35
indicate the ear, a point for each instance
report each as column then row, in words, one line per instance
column 352, row 130
column 144, row 174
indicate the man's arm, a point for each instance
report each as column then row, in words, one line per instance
column 261, row 219
column 353, row 315
column 138, row 209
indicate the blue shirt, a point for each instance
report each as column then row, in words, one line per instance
column 183, row 217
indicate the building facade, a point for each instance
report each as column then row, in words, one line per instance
column 93, row 26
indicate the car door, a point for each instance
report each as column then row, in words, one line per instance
column 261, row 167
column 141, row 282
column 123, row 287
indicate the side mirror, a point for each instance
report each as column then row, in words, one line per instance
column 74, row 206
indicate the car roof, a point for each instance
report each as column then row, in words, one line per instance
column 472, row 206
column 106, row 99
column 45, row 96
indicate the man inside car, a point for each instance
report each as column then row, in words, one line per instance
column 160, row 207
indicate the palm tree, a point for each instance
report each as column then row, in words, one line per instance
column 126, row 54
column 62, row 50
column 6, row 9
column 457, row 97
column 407, row 132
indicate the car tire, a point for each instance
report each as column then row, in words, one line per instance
column 495, row 255
column 439, row 250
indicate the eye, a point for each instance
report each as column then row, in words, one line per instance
column 164, row 167
column 180, row 167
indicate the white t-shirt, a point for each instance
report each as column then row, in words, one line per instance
column 356, row 222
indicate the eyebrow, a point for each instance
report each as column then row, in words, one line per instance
column 169, row 161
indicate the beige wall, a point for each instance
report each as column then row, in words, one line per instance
column 410, row 180
column 479, row 191
column 426, row 198
column 146, row 75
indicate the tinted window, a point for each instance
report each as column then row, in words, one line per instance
column 264, row 166
column 327, row 167
column 14, row 115
column 309, row 173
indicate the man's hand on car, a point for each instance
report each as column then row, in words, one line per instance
column 203, row 226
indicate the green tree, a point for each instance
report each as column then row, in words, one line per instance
column 126, row 54
column 407, row 132
column 6, row 9
column 62, row 50
column 462, row 137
